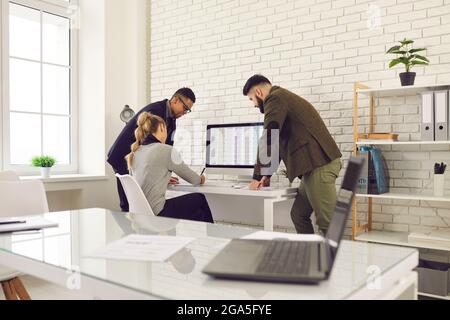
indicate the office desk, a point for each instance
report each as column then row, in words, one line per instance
column 59, row 255
column 269, row 197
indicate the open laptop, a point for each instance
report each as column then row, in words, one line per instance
column 290, row 261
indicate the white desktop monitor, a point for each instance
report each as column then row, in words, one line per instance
column 232, row 149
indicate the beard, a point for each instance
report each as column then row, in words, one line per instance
column 260, row 104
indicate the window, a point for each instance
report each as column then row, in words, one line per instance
column 39, row 77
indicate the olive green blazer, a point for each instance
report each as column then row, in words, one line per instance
column 304, row 140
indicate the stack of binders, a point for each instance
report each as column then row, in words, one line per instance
column 435, row 116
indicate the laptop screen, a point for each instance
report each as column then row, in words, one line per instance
column 352, row 174
column 344, row 202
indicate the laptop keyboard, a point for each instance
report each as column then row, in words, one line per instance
column 285, row 257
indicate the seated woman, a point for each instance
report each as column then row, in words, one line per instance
column 151, row 162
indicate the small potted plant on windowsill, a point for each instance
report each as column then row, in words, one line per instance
column 45, row 163
column 408, row 56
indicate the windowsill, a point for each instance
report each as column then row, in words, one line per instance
column 68, row 178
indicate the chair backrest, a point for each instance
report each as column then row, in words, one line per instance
column 9, row 176
column 136, row 198
column 22, row 198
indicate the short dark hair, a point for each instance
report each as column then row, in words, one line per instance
column 186, row 93
column 254, row 81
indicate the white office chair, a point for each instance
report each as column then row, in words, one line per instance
column 8, row 176
column 7, row 274
column 19, row 198
column 137, row 201
column 22, row 198
column 140, row 209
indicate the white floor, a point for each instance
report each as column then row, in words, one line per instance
column 42, row 290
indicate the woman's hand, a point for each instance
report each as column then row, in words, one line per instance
column 202, row 180
column 257, row 185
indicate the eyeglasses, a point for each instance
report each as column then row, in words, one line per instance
column 186, row 108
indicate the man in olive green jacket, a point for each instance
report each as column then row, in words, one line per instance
column 295, row 133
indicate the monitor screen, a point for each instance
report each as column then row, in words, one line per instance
column 233, row 145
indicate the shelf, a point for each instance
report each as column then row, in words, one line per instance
column 71, row 182
column 434, row 296
column 403, row 91
column 393, row 238
column 402, row 143
column 68, row 178
column 398, row 239
column 405, row 196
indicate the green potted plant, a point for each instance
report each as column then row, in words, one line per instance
column 45, row 163
column 408, row 56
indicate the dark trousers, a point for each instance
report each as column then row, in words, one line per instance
column 189, row 207
column 122, row 197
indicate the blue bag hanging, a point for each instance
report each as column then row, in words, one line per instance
column 376, row 179
column 381, row 172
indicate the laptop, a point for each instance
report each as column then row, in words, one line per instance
column 10, row 225
column 287, row 261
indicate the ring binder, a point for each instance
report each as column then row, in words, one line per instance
column 441, row 120
column 428, row 116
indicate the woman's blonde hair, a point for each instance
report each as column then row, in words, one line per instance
column 147, row 124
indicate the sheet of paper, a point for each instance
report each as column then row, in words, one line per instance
column 264, row 235
column 142, row 248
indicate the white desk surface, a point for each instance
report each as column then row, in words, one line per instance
column 228, row 189
column 54, row 254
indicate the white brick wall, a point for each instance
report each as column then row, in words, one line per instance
column 318, row 49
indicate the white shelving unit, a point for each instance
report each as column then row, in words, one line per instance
column 365, row 232
column 401, row 143
column 398, row 239
column 434, row 296
column 406, row 196
column 402, row 91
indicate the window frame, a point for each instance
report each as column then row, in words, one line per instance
column 60, row 8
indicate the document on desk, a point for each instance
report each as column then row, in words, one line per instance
column 142, row 248
column 264, row 235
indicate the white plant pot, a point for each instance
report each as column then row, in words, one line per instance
column 45, row 173
column 439, row 182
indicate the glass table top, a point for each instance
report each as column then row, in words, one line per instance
column 81, row 232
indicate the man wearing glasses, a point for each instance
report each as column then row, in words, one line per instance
column 179, row 105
